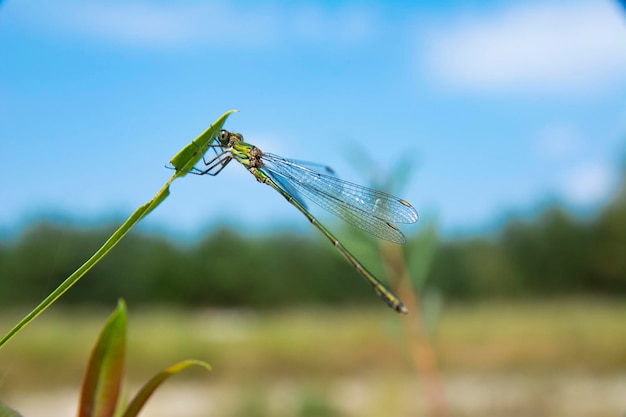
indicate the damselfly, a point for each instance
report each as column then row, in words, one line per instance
column 372, row 211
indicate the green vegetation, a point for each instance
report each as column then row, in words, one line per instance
column 554, row 255
column 248, row 347
column 103, row 379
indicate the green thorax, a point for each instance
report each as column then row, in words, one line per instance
column 247, row 154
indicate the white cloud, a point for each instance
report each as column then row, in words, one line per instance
column 589, row 183
column 214, row 24
column 155, row 25
column 558, row 141
column 314, row 23
column 560, row 46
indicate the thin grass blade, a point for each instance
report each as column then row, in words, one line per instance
column 184, row 160
column 148, row 389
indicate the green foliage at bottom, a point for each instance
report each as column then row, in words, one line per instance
column 102, row 383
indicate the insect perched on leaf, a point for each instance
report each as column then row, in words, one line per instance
column 370, row 210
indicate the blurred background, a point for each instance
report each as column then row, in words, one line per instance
column 503, row 122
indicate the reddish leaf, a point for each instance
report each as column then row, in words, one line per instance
column 101, row 385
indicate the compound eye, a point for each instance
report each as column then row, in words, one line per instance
column 223, row 136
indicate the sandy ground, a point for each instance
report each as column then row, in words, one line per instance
column 574, row 395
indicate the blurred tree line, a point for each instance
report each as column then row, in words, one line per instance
column 552, row 255
column 555, row 254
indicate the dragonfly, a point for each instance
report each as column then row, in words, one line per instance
column 370, row 210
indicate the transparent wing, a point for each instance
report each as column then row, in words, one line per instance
column 370, row 210
column 313, row 166
column 286, row 186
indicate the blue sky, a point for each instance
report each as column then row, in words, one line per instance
column 500, row 106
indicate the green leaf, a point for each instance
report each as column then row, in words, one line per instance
column 183, row 161
column 146, row 391
column 6, row 411
column 103, row 379
column 189, row 156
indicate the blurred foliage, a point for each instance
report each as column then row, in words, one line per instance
column 316, row 403
column 554, row 254
column 6, row 411
column 224, row 269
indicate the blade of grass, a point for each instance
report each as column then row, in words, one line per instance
column 148, row 389
column 103, row 378
column 182, row 161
